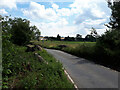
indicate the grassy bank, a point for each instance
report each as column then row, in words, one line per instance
column 23, row 70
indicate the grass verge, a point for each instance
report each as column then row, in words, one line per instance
column 23, row 70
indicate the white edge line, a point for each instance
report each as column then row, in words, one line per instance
column 71, row 79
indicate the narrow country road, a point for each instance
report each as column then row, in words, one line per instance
column 84, row 73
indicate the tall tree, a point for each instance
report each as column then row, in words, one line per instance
column 21, row 33
column 78, row 37
column 58, row 37
column 108, row 45
column 18, row 30
column 90, row 38
column 115, row 16
column 35, row 32
column 94, row 33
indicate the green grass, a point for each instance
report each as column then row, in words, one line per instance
column 17, row 74
column 71, row 44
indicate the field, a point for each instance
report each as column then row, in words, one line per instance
column 69, row 44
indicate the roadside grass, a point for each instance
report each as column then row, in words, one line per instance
column 85, row 50
column 23, row 70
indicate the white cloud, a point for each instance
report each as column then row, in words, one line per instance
column 55, row 6
column 38, row 11
column 64, row 12
column 88, row 13
column 60, row 23
column 53, row 28
column 11, row 4
column 80, row 6
column 98, row 13
column 2, row 11
column 94, row 22
column 101, row 31
column 8, row 4
column 52, row 21
column 85, row 27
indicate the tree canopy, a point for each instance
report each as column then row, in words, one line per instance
column 108, row 45
column 19, row 30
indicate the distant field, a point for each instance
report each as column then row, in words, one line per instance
column 71, row 44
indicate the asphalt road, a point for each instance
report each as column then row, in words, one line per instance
column 84, row 73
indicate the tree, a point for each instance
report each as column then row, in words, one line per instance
column 79, row 37
column 115, row 16
column 35, row 32
column 94, row 33
column 21, row 33
column 108, row 45
column 90, row 38
column 69, row 38
column 19, row 30
column 5, row 25
column 111, row 38
column 58, row 37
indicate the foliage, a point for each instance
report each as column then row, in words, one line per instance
column 108, row 45
column 90, row 38
column 16, row 73
column 115, row 16
column 58, row 37
column 94, row 33
column 20, row 30
column 69, row 39
column 78, row 37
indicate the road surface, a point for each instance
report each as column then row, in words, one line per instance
column 84, row 73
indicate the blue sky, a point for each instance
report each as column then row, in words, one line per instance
column 68, row 17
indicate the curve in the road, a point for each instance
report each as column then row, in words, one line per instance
column 86, row 74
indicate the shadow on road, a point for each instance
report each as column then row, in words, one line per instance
column 83, row 61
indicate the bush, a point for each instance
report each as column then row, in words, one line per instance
column 108, row 48
column 20, row 30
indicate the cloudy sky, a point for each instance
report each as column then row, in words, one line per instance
column 64, row 17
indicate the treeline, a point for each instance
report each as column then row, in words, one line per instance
column 92, row 37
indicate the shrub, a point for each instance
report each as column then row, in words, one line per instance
column 108, row 48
